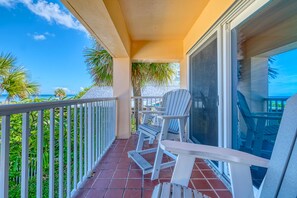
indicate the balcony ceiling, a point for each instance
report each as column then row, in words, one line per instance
column 153, row 30
column 160, row 20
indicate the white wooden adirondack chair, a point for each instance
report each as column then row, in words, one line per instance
column 257, row 128
column 174, row 117
column 281, row 176
column 152, row 116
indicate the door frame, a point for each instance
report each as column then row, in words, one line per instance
column 215, row 33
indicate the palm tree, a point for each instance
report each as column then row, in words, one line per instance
column 14, row 79
column 60, row 92
column 99, row 63
column 100, row 66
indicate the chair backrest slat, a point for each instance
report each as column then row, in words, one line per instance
column 282, row 166
column 289, row 184
column 245, row 111
column 178, row 102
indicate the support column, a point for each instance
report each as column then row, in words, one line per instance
column 184, row 73
column 122, row 90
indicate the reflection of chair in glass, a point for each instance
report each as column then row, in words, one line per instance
column 174, row 119
column 280, row 179
column 257, row 125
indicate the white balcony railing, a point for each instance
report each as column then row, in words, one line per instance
column 275, row 104
column 60, row 144
column 140, row 103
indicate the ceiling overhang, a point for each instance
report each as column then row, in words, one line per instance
column 146, row 30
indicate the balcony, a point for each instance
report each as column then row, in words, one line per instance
column 117, row 176
column 69, row 148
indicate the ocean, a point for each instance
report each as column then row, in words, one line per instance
column 41, row 96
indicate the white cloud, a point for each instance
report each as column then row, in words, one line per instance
column 7, row 3
column 49, row 11
column 49, row 34
column 39, row 37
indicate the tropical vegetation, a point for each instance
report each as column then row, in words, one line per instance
column 14, row 79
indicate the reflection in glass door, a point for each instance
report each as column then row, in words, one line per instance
column 204, row 91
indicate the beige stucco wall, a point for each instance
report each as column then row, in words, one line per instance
column 211, row 13
column 122, row 90
column 183, row 73
column 158, row 51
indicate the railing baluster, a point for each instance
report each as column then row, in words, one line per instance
column 104, row 130
column 61, row 150
column 100, row 129
column 25, row 155
column 85, row 140
column 80, row 143
column 97, row 131
column 93, row 134
column 52, row 154
column 107, row 124
column 4, row 166
column 68, row 151
column 39, row 154
column 75, row 148
column 113, row 118
column 89, row 145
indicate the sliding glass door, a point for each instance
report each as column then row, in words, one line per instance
column 204, row 91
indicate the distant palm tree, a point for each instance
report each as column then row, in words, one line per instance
column 14, row 79
column 60, row 92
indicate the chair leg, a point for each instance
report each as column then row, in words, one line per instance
column 140, row 141
column 157, row 164
column 249, row 138
column 151, row 141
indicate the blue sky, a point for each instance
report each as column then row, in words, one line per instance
column 48, row 41
column 286, row 82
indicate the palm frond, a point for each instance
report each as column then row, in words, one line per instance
column 100, row 66
column 7, row 61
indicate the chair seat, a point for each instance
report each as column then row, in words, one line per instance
column 271, row 130
column 153, row 129
column 170, row 190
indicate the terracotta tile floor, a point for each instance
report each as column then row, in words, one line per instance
column 117, row 176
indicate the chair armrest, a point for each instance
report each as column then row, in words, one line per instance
column 213, row 153
column 268, row 113
column 160, row 108
column 152, row 112
column 172, row 116
column 266, row 116
column 149, row 106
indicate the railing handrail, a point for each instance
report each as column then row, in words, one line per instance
column 9, row 109
column 139, row 97
column 281, row 98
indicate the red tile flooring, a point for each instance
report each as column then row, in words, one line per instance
column 117, row 176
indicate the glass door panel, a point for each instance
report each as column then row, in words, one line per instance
column 204, row 91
